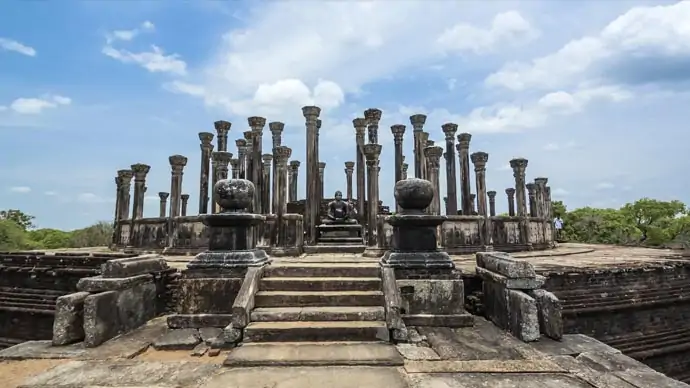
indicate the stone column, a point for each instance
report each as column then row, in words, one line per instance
column 281, row 154
column 294, row 180
column 164, row 203
column 449, row 130
column 372, row 153
column 266, row 189
column 139, row 170
column 510, row 192
column 322, row 168
column 217, row 159
column 418, row 122
column 276, row 128
column 472, row 198
column 257, row 125
column 540, row 195
column 423, row 143
column 373, row 117
column 206, row 149
column 125, row 177
column 311, row 210
column 492, row 203
column 549, row 208
column 398, row 131
column 222, row 128
column 185, row 200
column 519, row 165
column 404, row 170
column 118, row 189
column 241, row 157
column 235, row 166
column 433, row 160
column 349, row 169
column 360, row 125
column 248, row 157
column 479, row 159
column 532, row 197
column 463, row 149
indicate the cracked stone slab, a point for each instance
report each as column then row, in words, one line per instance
column 572, row 345
column 179, row 339
column 417, row 353
column 495, row 380
column 483, row 366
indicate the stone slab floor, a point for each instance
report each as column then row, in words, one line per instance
column 482, row 356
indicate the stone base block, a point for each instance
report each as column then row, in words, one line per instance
column 197, row 321
column 68, row 326
column 207, row 295
column 182, row 339
column 100, row 284
column 523, row 319
column 417, row 260
column 328, row 248
column 286, row 251
column 232, row 259
column 432, row 296
column 131, row 266
column 550, row 313
column 374, row 252
column 532, row 283
column 454, row 320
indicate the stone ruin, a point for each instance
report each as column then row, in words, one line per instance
column 293, row 226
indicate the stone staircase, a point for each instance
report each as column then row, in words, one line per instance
column 318, row 302
column 338, row 238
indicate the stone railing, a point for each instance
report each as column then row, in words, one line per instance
column 513, row 299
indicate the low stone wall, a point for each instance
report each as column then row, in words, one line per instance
column 644, row 312
column 30, row 285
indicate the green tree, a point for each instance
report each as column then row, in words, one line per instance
column 13, row 237
column 97, row 235
column 650, row 216
column 50, row 238
column 22, row 219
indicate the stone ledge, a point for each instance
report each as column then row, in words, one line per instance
column 454, row 320
column 197, row 321
column 99, row 283
column 504, row 264
column 483, row 366
column 512, row 283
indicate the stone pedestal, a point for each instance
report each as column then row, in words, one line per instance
column 419, row 278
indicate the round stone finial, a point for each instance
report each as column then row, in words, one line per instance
column 414, row 194
column 233, row 195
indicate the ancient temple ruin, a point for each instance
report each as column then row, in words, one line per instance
column 296, row 225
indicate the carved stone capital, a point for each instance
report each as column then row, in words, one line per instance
column 184, row 197
column 372, row 151
column 449, row 129
column 418, row 121
column 294, row 164
column 282, row 154
column 479, row 160
column 268, row 159
column 531, row 189
column 398, row 131
column 360, row 125
column 163, row 196
column 140, row 170
column 518, row 165
column 349, row 166
column 510, row 192
column 206, row 138
column 247, row 136
column 492, row 195
column 322, row 166
column 125, row 176
column 222, row 127
column 311, row 112
column 256, row 123
column 464, row 140
column 433, row 154
column 240, row 143
column 541, row 181
column 373, row 116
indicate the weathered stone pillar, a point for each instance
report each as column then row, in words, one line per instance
column 349, row 169
column 206, row 149
column 492, row 203
column 472, row 198
column 433, row 160
column 276, row 128
column 118, row 189
column 235, row 166
column 540, row 195
column 282, row 154
column 423, row 143
column 373, row 117
column 519, row 165
column 322, row 168
column 242, row 157
column 220, row 161
column 532, row 197
column 372, row 153
column 405, row 166
column 463, row 149
column 164, row 203
column 185, row 199
column 265, row 194
column 398, row 131
column 449, row 130
column 222, row 128
column 311, row 211
column 125, row 177
column 139, row 170
column 510, row 192
column 360, row 125
column 257, row 125
column 294, row 180
column 549, row 206
column 479, row 159
column 248, row 154
column 418, row 122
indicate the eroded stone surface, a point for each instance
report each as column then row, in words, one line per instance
column 180, row 339
column 417, row 353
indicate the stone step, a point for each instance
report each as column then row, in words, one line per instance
column 323, row 270
column 333, row 248
column 339, row 313
column 313, row 283
column 340, row 240
column 316, row 331
column 318, row 299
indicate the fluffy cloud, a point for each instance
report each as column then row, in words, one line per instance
column 12, row 45
column 32, row 106
column 154, row 60
column 20, row 189
column 645, row 44
column 506, row 28
column 349, row 44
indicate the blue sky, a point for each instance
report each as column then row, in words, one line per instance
column 594, row 94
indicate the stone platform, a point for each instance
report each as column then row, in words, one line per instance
column 481, row 356
column 337, row 238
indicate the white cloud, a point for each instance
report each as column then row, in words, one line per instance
column 12, row 45
column 646, row 35
column 154, row 61
column 31, row 106
column 506, row 28
column 20, row 189
column 127, row 35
